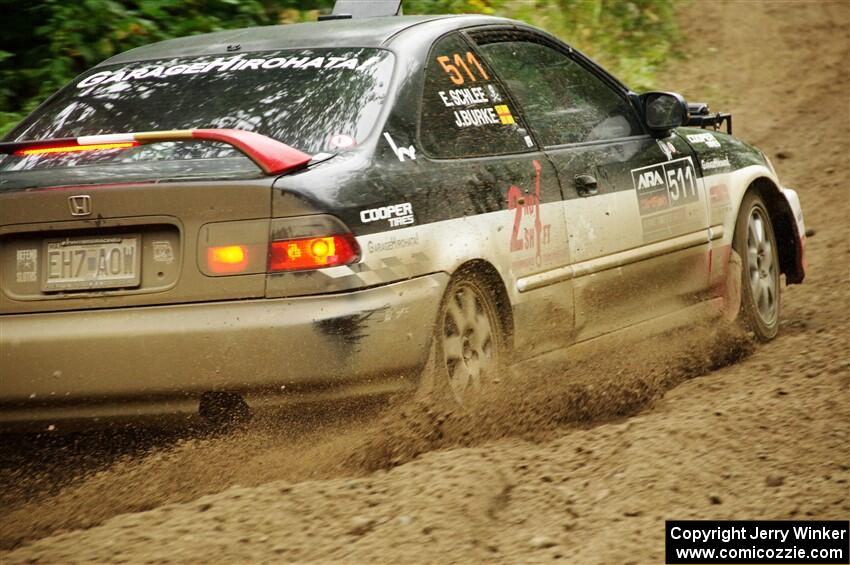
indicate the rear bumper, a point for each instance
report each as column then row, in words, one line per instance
column 73, row 364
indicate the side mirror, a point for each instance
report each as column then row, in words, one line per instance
column 663, row 111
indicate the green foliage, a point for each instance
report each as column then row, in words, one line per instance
column 630, row 38
column 47, row 42
column 451, row 6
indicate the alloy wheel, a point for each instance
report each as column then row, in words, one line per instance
column 761, row 266
column 470, row 347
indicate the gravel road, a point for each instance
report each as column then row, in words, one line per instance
column 577, row 462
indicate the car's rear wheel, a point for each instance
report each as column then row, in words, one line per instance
column 469, row 346
column 755, row 243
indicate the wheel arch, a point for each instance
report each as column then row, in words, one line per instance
column 788, row 241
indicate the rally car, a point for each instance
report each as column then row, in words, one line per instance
column 320, row 210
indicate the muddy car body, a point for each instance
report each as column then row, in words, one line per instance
column 492, row 195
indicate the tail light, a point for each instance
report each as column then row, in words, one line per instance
column 312, row 253
column 274, row 246
column 227, row 259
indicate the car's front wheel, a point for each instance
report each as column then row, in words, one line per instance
column 469, row 348
column 755, row 243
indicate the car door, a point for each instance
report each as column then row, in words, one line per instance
column 481, row 192
column 635, row 210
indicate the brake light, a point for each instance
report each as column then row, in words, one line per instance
column 227, row 259
column 312, row 253
column 71, row 148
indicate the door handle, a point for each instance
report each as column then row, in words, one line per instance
column 586, row 185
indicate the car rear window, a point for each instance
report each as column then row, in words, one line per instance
column 316, row 100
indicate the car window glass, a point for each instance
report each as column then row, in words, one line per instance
column 316, row 100
column 465, row 112
column 563, row 101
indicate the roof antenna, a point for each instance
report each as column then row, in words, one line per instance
column 348, row 9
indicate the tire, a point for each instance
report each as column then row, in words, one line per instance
column 755, row 243
column 469, row 348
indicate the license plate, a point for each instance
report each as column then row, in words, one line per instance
column 91, row 263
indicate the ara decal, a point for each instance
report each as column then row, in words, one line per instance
column 664, row 185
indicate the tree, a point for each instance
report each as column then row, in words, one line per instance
column 47, row 42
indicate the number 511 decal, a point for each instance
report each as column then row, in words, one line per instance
column 453, row 64
column 665, row 185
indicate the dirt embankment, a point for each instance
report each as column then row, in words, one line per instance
column 584, row 467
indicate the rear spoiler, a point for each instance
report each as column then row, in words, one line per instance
column 700, row 115
column 270, row 155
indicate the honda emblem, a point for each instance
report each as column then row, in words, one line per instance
column 80, row 205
